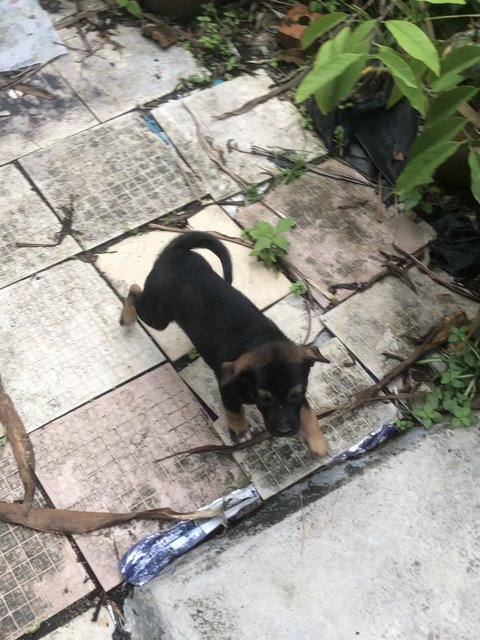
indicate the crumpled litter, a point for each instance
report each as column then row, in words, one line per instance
column 457, row 246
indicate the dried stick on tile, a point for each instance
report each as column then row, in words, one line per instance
column 21, row 447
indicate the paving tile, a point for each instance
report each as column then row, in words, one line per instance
column 279, row 462
column 61, row 343
column 336, row 231
column 267, row 125
column 83, row 627
column 134, row 257
column 293, row 318
column 37, row 122
column 132, row 70
column 120, row 174
column 102, row 456
column 39, row 572
column 390, row 317
column 26, row 218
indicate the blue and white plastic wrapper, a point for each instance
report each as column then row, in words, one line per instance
column 369, row 442
column 149, row 556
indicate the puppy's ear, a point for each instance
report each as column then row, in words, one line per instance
column 129, row 312
column 312, row 353
column 231, row 371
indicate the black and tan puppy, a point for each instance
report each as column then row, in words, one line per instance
column 254, row 362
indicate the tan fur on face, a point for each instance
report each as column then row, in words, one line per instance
column 311, row 432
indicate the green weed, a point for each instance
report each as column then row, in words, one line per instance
column 131, row 6
column 270, row 244
column 298, row 288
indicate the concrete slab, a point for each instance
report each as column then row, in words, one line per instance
column 37, row 121
column 393, row 553
column 279, row 462
column 133, row 258
column 83, row 627
column 294, row 319
column 102, row 457
column 133, row 70
column 390, row 317
column 120, row 174
column 268, row 125
column 39, row 572
column 26, row 218
column 337, row 230
column 61, row 344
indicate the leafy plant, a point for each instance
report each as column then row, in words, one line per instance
column 131, row 6
column 422, row 69
column 298, row 288
column 251, row 192
column 458, row 384
column 193, row 354
column 270, row 244
column 296, row 168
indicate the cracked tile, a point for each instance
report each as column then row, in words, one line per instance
column 61, row 344
column 336, row 231
column 120, row 174
column 133, row 70
column 39, row 572
column 279, row 462
column 133, row 259
column 267, row 125
column 103, row 457
column 389, row 316
column 26, row 218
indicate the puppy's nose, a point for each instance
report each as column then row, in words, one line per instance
column 285, row 429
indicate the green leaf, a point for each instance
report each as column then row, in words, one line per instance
column 264, row 228
column 404, row 78
column 134, row 8
column 359, row 42
column 474, row 164
column 321, row 26
column 122, row 3
column 444, row 130
column 460, row 59
column 415, row 42
column 281, row 243
column 340, row 41
column 421, row 168
column 445, row 82
column 263, row 243
column 285, row 224
column 339, row 88
column 448, row 102
column 445, row 1
column 319, row 78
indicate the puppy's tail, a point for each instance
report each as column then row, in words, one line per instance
column 201, row 240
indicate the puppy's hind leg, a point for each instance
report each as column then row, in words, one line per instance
column 238, row 425
column 311, row 432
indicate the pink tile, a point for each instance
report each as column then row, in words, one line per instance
column 337, row 230
column 39, row 572
column 104, row 460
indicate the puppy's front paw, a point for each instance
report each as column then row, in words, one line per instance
column 239, row 438
column 317, row 444
column 312, row 434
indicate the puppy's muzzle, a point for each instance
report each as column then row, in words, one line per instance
column 283, row 428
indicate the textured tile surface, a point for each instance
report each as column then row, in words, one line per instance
column 294, row 319
column 61, row 344
column 82, row 627
column 102, row 458
column 390, row 317
column 39, row 572
column 26, row 218
column 36, row 122
column 133, row 70
column 337, row 230
column 279, row 462
column 134, row 257
column 120, row 173
column 269, row 125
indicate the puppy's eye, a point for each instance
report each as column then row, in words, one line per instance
column 264, row 395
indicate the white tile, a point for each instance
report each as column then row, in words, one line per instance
column 61, row 343
column 83, row 627
column 270, row 125
column 26, row 218
column 125, row 70
column 297, row 323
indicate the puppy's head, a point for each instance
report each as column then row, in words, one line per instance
column 129, row 311
column 276, row 377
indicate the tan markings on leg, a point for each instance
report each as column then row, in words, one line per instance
column 237, row 422
column 311, row 432
column 129, row 313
